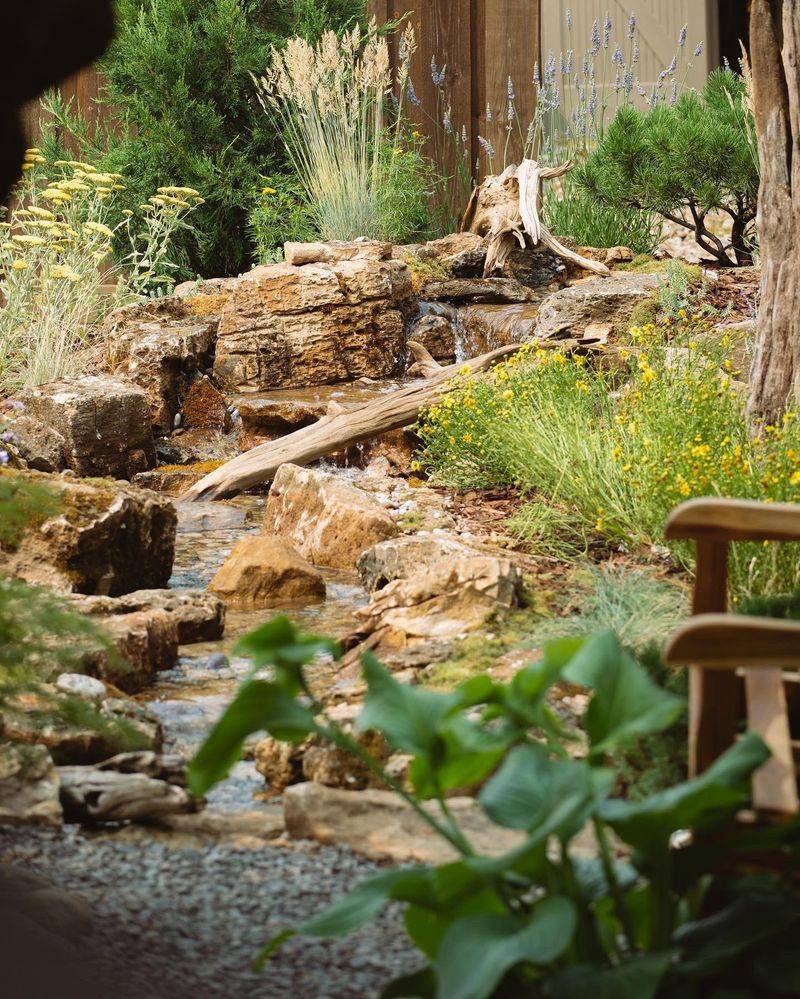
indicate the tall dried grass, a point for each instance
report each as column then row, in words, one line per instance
column 330, row 101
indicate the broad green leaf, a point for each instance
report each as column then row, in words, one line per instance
column 696, row 804
column 279, row 644
column 350, row 913
column 638, row 978
column 408, row 717
column 525, row 694
column 591, row 876
column 776, row 967
column 711, row 944
column 467, row 753
column 530, row 790
column 418, row 985
column 258, row 707
column 626, row 704
column 478, row 950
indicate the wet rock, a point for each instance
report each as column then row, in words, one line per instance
column 204, row 407
column 283, row 764
column 28, row 786
column 102, row 422
column 313, row 325
column 612, row 300
column 198, row 616
column 199, row 517
column 275, row 417
column 480, row 290
column 173, row 480
column 162, row 346
column 329, row 522
column 484, row 327
column 380, row 825
column 73, row 734
column 263, row 569
column 437, row 335
column 108, row 538
column 334, row 251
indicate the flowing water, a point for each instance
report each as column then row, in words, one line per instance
column 189, row 698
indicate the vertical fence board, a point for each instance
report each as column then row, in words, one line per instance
column 510, row 46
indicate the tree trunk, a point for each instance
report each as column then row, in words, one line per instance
column 775, row 56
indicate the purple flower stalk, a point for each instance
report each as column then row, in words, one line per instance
column 595, row 37
column 486, row 146
column 632, row 25
column 699, row 50
column 412, row 94
column 569, row 19
column 607, row 30
column 682, row 36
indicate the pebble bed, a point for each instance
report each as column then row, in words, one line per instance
column 169, row 922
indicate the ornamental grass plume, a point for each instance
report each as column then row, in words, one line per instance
column 330, row 102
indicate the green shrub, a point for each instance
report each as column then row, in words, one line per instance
column 542, row 920
column 279, row 215
column 614, row 459
column 682, row 161
column 178, row 78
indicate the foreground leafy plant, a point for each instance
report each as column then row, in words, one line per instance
column 539, row 920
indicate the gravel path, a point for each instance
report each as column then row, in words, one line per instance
column 175, row 923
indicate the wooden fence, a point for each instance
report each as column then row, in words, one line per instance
column 83, row 88
column 482, row 43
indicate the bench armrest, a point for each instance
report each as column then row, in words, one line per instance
column 730, row 641
column 734, row 520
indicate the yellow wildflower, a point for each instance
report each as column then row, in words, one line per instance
column 98, row 227
column 268, row 190
column 188, row 192
column 26, row 240
column 64, row 273
column 20, row 265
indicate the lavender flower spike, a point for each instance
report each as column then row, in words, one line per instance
column 511, row 94
column 596, row 37
column 699, row 50
column 632, row 25
column 569, row 19
column 682, row 36
column 486, row 146
column 607, row 30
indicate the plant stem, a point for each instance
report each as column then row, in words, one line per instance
column 623, row 913
column 339, row 737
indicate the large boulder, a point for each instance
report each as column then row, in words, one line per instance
column 441, row 600
column 262, row 571
column 107, row 538
column 595, row 302
column 162, row 346
column 329, row 522
column 95, row 425
column 380, row 825
column 28, row 786
column 313, row 325
column 426, row 551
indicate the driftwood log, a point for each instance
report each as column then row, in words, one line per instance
column 341, row 428
column 132, row 787
column 506, row 208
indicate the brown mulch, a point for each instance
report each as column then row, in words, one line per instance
column 736, row 290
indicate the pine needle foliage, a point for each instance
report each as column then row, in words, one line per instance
column 683, row 161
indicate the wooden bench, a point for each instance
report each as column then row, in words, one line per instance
column 737, row 663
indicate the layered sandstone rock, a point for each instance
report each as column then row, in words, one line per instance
column 313, row 325
column 105, row 539
column 263, row 570
column 95, row 425
column 600, row 301
column 329, row 522
column 162, row 347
